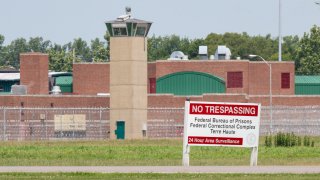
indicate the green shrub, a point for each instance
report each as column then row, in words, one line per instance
column 268, row 141
column 306, row 141
column 299, row 143
column 287, row 140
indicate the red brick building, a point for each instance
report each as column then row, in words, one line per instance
column 240, row 76
column 245, row 81
column 34, row 72
column 91, row 78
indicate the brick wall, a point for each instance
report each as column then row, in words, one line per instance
column 34, row 72
column 151, row 72
column 255, row 73
column 259, row 78
column 91, row 78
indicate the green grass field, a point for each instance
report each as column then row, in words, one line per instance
column 148, row 176
column 146, row 153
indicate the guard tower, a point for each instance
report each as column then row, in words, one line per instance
column 128, row 77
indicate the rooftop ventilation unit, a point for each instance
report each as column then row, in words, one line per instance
column 203, row 52
column 56, row 90
column 178, row 55
column 222, row 53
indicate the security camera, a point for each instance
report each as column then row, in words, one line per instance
column 128, row 10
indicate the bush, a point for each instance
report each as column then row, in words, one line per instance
column 287, row 140
column 306, row 141
column 299, row 141
column 268, row 141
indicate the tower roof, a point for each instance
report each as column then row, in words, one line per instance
column 125, row 25
column 130, row 20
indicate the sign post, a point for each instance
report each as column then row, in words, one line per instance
column 186, row 147
column 221, row 124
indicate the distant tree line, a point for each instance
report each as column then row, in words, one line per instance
column 61, row 57
column 241, row 45
column 305, row 51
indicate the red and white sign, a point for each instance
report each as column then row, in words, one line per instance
column 222, row 124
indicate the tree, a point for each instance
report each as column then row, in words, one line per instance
column 241, row 45
column 99, row 51
column 38, row 45
column 162, row 47
column 16, row 47
column 60, row 60
column 1, row 40
column 154, row 44
column 2, row 51
column 193, row 49
column 81, row 49
column 307, row 57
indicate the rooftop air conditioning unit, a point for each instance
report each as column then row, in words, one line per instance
column 222, row 53
column 56, row 90
column 178, row 55
column 203, row 52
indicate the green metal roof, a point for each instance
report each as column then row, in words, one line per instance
column 190, row 83
column 5, row 93
column 307, row 79
column 64, row 80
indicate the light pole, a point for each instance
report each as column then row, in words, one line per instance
column 270, row 86
column 280, row 36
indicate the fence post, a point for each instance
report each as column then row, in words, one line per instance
column 4, row 124
column 61, row 133
column 45, row 125
column 73, row 125
column 100, row 130
column 186, row 147
column 20, row 134
column 32, row 125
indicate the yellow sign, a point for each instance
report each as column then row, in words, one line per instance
column 70, row 122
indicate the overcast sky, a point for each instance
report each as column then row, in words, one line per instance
column 63, row 20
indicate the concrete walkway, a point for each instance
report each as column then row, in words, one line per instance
column 164, row 169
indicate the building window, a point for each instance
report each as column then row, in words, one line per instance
column 1, row 88
column 141, row 31
column 120, row 31
column 234, row 80
column 285, row 80
column 152, row 83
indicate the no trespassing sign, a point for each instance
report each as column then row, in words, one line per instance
column 222, row 124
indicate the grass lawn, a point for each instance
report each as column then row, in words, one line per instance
column 146, row 153
column 147, row 176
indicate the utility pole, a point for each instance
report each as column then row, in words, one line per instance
column 280, row 36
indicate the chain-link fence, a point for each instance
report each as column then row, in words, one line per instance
column 53, row 123
column 302, row 120
column 93, row 123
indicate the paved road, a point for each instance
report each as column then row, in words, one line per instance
column 164, row 169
